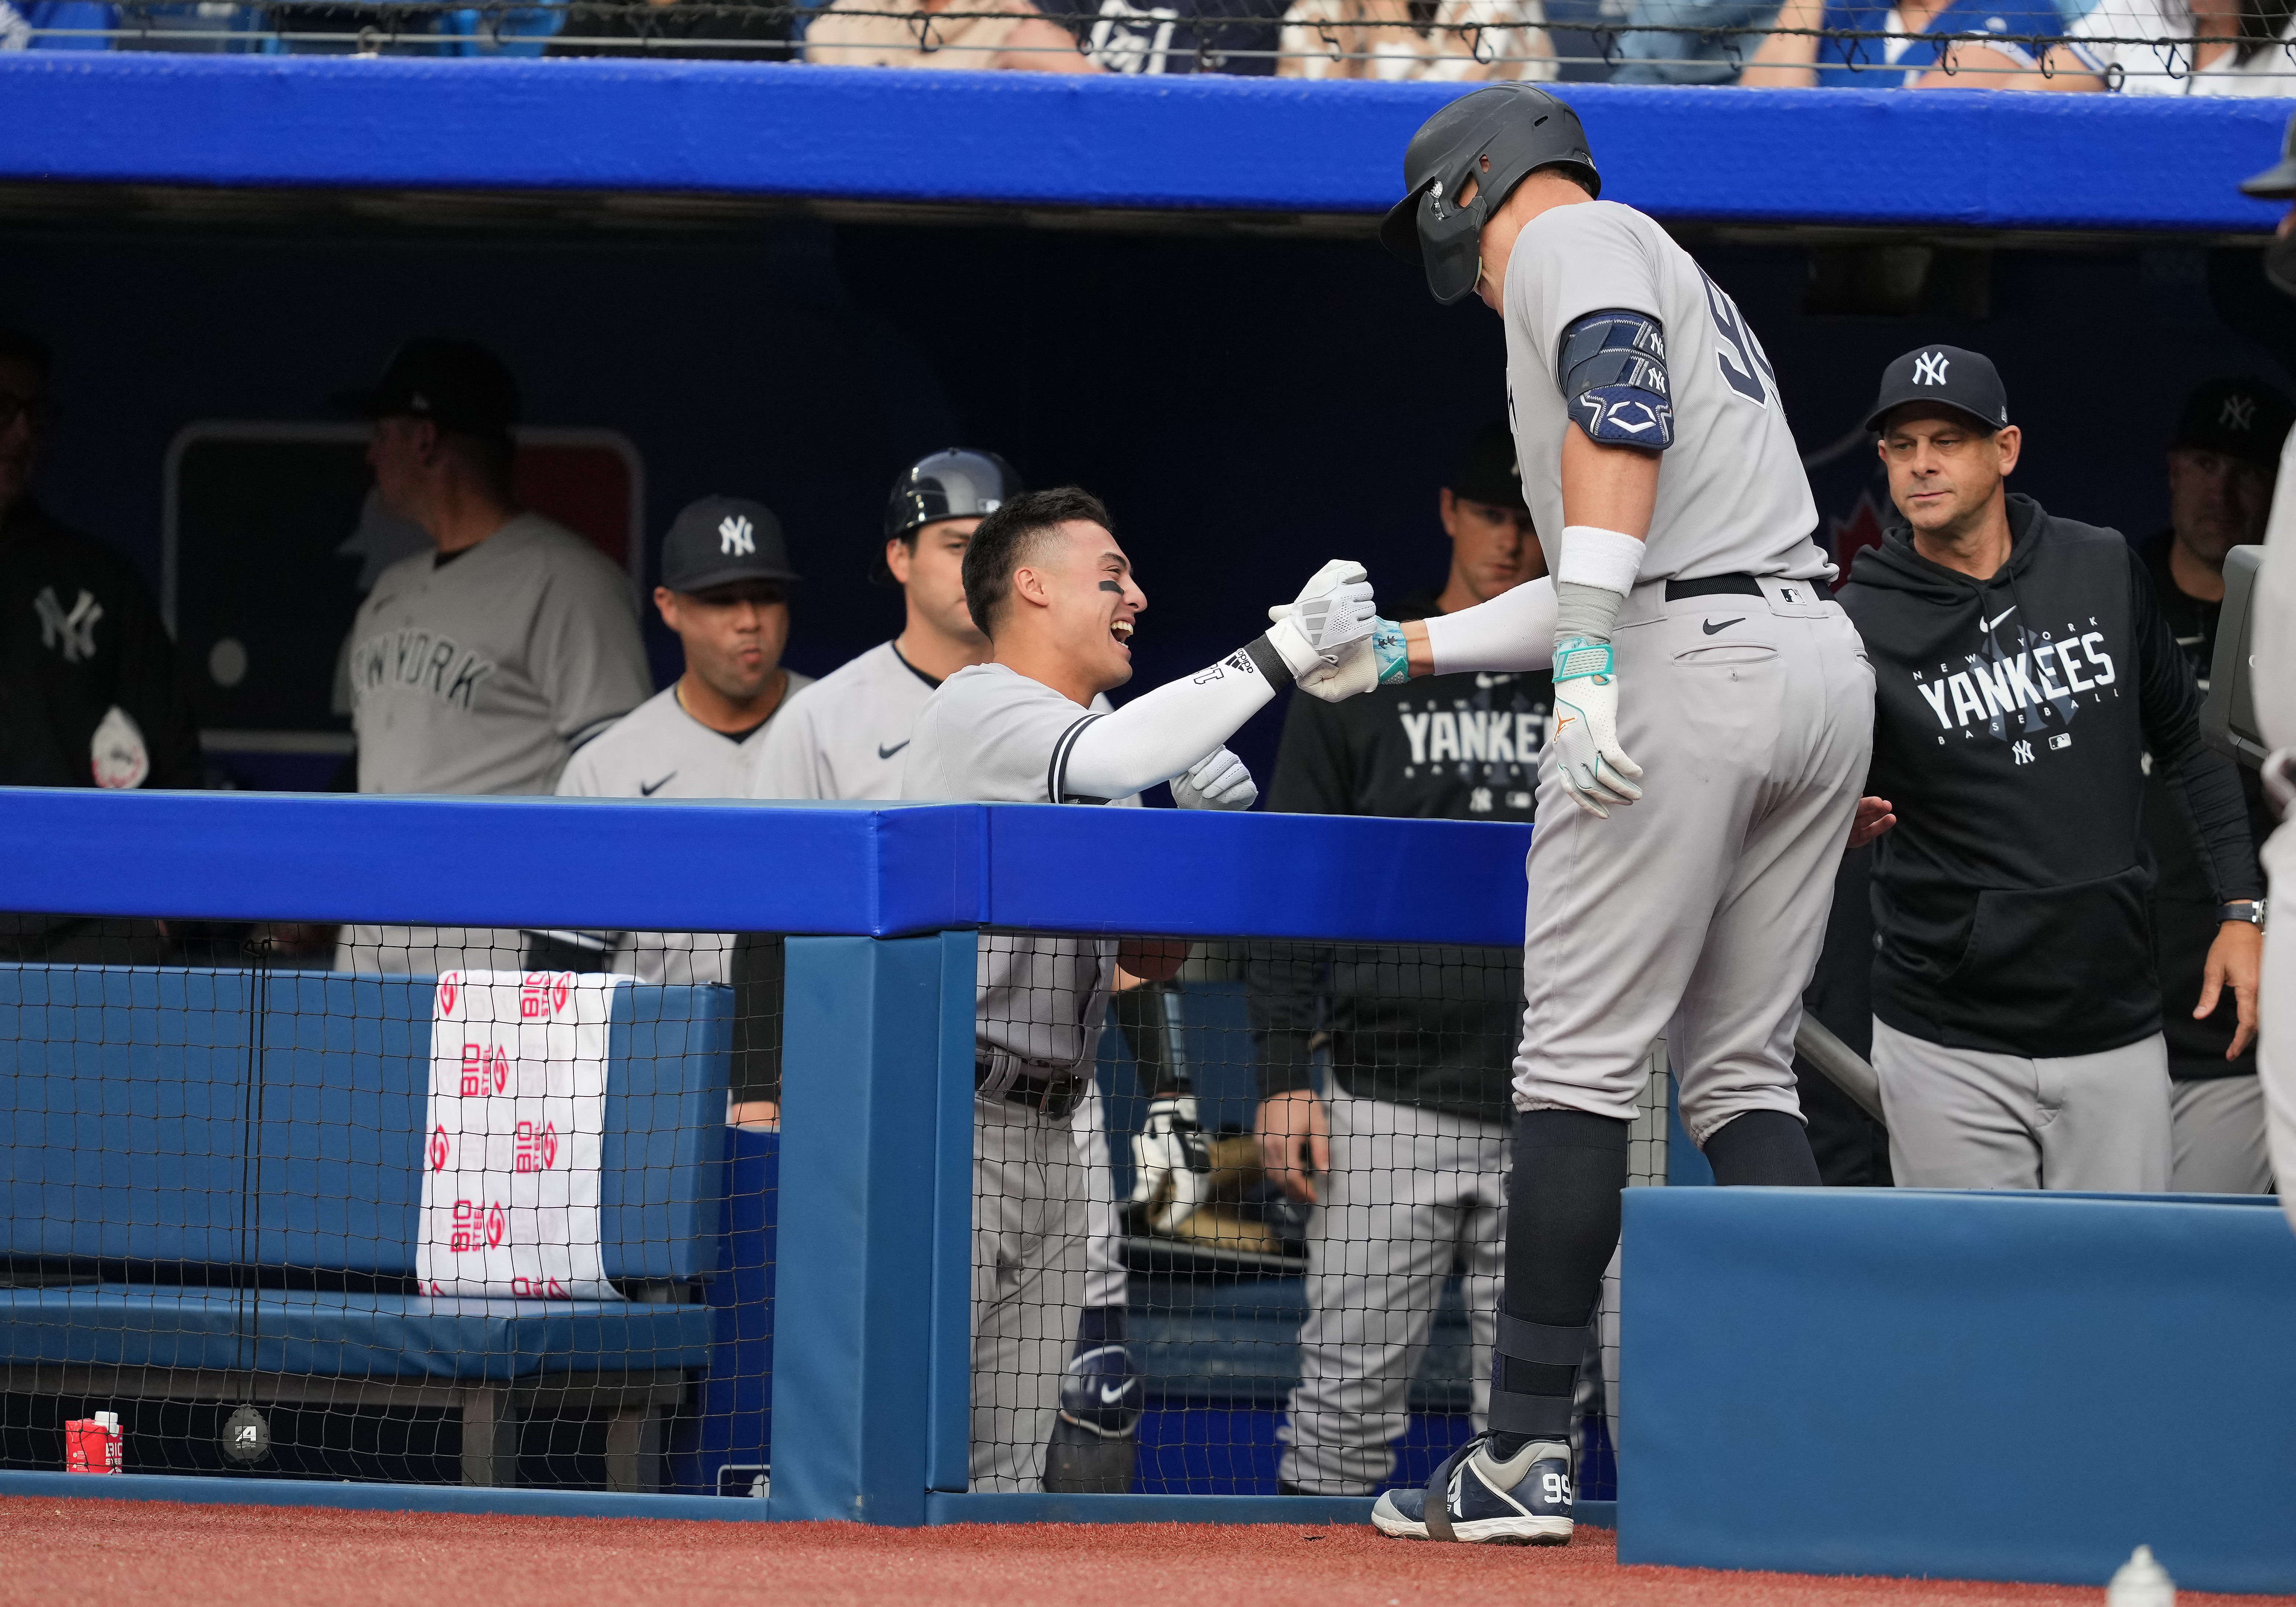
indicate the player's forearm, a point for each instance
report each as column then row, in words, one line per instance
column 1510, row 634
column 1158, row 734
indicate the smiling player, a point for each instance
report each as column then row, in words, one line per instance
column 1055, row 593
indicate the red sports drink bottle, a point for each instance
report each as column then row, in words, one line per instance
column 92, row 1444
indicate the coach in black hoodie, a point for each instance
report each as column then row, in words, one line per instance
column 2023, row 670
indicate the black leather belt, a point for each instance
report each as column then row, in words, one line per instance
column 1732, row 585
column 1054, row 1097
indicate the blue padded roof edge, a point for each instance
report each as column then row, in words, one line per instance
column 859, row 869
column 1989, row 160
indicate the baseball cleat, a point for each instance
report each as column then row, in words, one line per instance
column 1101, row 1393
column 1524, row 1500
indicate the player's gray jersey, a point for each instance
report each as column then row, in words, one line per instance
column 484, row 673
column 658, row 750
column 848, row 737
column 992, row 735
column 1732, row 496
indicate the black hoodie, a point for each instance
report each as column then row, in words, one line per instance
column 2011, row 721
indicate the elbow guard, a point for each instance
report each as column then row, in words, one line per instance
column 1612, row 369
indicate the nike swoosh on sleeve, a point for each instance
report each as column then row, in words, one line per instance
column 885, row 752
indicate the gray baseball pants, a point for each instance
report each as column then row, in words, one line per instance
column 1105, row 1280
column 1969, row 1119
column 1410, row 1191
column 1029, row 1226
column 427, row 951
column 1704, row 905
column 2275, row 1048
column 2217, row 1134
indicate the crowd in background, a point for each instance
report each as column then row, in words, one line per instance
column 2207, row 47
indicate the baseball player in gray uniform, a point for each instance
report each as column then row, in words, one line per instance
column 482, row 665
column 726, row 579
column 1047, row 582
column 1690, row 628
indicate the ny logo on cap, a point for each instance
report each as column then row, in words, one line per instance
column 2239, row 413
column 1929, row 368
column 735, row 537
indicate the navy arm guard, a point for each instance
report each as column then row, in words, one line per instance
column 1612, row 368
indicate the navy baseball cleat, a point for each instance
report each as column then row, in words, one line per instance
column 1523, row 1501
column 1101, row 1393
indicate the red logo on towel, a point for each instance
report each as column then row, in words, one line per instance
column 540, row 1289
column 543, row 994
column 485, row 1069
column 439, row 1150
column 474, row 1223
column 537, row 1152
column 449, row 986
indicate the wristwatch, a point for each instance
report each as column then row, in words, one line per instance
column 2250, row 910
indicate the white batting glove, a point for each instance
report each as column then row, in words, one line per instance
column 1219, row 781
column 1332, row 612
column 1171, row 1164
column 1595, row 771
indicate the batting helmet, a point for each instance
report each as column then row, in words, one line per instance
column 954, row 484
column 1497, row 136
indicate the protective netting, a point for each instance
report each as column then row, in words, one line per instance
column 1240, row 1230
column 407, row 1203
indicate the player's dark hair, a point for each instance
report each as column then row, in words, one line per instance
column 1573, row 171
column 1007, row 538
column 22, row 346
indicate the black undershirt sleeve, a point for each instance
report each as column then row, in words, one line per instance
column 2204, row 782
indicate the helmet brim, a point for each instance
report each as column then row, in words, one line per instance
column 1398, row 231
column 2276, row 183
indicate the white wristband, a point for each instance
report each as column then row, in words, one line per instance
column 1594, row 556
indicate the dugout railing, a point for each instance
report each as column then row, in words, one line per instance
column 269, row 1255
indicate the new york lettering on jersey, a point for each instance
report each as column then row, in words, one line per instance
column 439, row 666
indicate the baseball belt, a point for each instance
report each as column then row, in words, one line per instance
column 1053, row 1097
column 1732, row 585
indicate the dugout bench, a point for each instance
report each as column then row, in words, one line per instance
column 213, row 1189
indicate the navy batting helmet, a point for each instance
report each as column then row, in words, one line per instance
column 955, row 484
column 1497, row 136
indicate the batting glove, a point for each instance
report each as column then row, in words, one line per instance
column 1595, row 771
column 1171, row 1164
column 1332, row 612
column 1361, row 667
column 1218, row 781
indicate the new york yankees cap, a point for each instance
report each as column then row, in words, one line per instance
column 719, row 540
column 1486, row 471
column 459, row 385
column 2242, row 418
column 1945, row 374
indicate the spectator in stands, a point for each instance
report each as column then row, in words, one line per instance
column 1404, row 1158
column 2214, row 48
column 1453, row 42
column 2221, row 465
column 1714, row 47
column 57, row 23
column 90, row 693
column 482, row 665
column 2024, row 668
column 2022, row 57
column 1016, row 37
column 714, row 30
column 1162, row 38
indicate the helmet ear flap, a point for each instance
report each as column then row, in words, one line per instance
column 1450, row 240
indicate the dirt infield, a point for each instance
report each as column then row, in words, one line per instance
column 125, row 1553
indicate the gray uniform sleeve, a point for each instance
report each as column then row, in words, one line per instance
column 997, row 738
column 788, row 763
column 1581, row 259
column 588, row 656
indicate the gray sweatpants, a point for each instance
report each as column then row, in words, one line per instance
column 1968, row 1119
column 1409, row 1191
column 1028, row 1227
column 2276, row 1046
column 2218, row 1131
column 1704, row 905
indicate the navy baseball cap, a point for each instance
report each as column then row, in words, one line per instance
column 1486, row 471
column 1965, row 380
column 459, row 385
column 2242, row 418
column 719, row 540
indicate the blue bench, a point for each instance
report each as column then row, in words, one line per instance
column 177, row 1229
